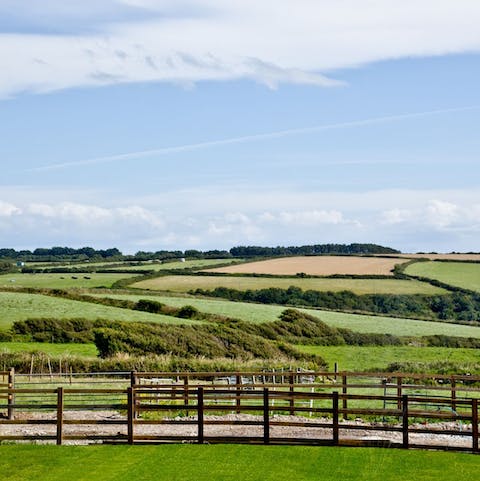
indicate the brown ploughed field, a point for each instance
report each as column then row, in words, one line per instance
column 316, row 265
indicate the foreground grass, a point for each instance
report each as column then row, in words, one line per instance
column 358, row 286
column 53, row 349
column 457, row 274
column 370, row 358
column 230, row 463
column 61, row 281
column 356, row 322
column 17, row 306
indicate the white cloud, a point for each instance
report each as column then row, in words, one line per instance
column 270, row 41
column 8, row 210
column 221, row 217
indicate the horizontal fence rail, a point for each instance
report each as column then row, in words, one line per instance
column 356, row 409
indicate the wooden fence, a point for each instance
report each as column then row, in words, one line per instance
column 306, row 408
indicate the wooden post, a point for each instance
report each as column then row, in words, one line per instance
column 200, row 414
column 399, row 392
column 335, row 370
column 130, row 414
column 335, row 418
column 266, row 417
column 239, row 382
column 133, row 378
column 292, row 399
column 344, row 391
column 475, row 425
column 405, row 421
column 453, row 391
column 11, row 396
column 59, row 415
column 185, row 393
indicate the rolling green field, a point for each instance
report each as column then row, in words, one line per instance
column 16, row 306
column 60, row 281
column 358, row 286
column 369, row 358
column 356, row 322
column 231, row 463
column 53, row 349
column 154, row 266
column 459, row 274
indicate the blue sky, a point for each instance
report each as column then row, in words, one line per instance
column 152, row 124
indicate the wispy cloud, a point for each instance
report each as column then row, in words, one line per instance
column 248, row 138
column 187, row 41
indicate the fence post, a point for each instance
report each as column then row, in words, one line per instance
column 59, row 415
column 399, row 392
column 405, row 421
column 185, row 393
column 237, row 401
column 475, row 425
column 11, row 396
column 266, row 417
column 453, row 391
column 130, row 414
column 292, row 400
column 344, row 392
column 133, row 382
column 200, row 414
column 335, row 417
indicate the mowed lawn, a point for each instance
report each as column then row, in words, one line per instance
column 231, row 463
column 52, row 349
column 61, row 281
column 460, row 274
column 356, row 322
column 16, row 306
column 370, row 358
column 358, row 286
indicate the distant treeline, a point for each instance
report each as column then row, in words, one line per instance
column 54, row 254
column 457, row 306
column 60, row 253
column 317, row 249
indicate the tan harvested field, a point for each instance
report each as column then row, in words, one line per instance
column 317, row 266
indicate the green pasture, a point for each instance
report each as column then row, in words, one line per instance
column 356, row 322
column 17, row 306
column 358, row 286
column 230, row 463
column 459, row 274
column 154, row 266
column 53, row 349
column 61, row 281
column 188, row 264
column 370, row 358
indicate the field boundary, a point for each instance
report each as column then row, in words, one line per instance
column 320, row 407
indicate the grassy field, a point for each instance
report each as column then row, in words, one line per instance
column 61, row 281
column 155, row 266
column 357, row 322
column 317, row 265
column 231, row 463
column 359, row 286
column 358, row 358
column 15, row 306
column 458, row 274
column 53, row 349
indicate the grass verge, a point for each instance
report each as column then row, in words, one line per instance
column 230, row 463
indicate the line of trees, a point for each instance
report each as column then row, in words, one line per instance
column 53, row 254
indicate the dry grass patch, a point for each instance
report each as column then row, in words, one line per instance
column 316, row 265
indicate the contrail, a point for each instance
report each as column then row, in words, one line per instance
column 247, row 138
